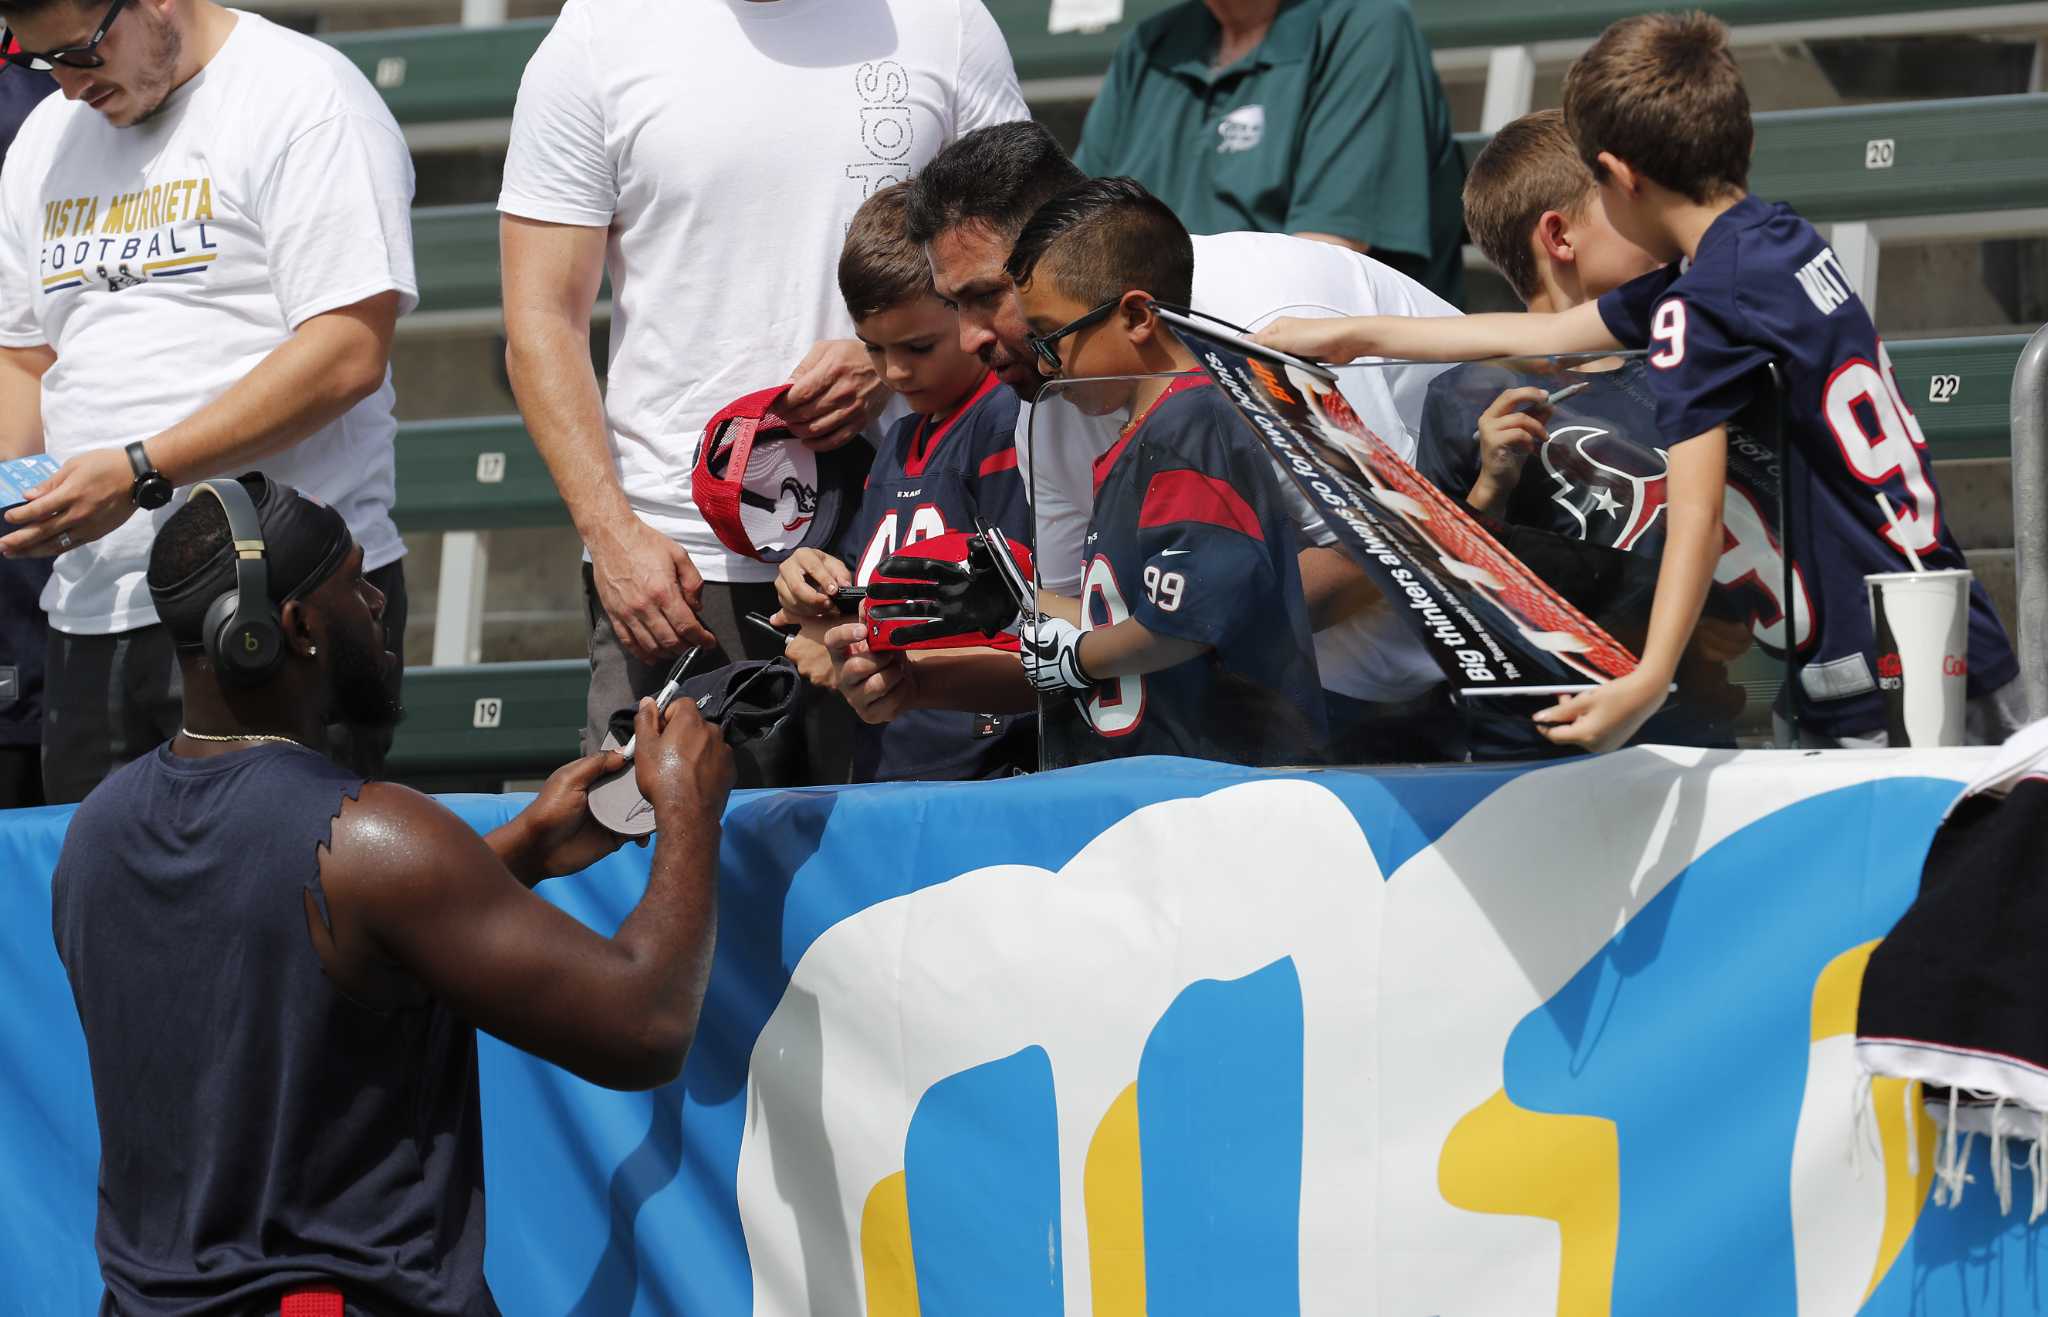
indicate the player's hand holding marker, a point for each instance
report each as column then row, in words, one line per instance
column 1051, row 650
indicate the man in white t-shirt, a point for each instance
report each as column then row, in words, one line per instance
column 967, row 208
column 708, row 156
column 205, row 244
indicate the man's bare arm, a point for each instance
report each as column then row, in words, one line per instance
column 646, row 582
column 21, row 399
column 331, row 362
column 1442, row 338
column 552, row 273
column 1349, row 244
column 409, row 885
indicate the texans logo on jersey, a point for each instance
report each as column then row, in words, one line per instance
column 1613, row 488
column 802, row 499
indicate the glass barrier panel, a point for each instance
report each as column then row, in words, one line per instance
column 1385, row 563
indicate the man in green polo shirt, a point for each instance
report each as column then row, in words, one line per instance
column 1322, row 118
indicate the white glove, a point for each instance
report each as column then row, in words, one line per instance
column 1051, row 650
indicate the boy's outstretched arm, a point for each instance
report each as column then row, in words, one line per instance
column 1606, row 716
column 1443, row 338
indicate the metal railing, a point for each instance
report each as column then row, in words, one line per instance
column 2030, row 517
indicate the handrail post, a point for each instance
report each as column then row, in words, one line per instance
column 2030, row 517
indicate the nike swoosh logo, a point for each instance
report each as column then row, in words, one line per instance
column 1168, row 553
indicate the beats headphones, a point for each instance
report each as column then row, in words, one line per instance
column 241, row 632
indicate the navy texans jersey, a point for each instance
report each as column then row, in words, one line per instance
column 1189, row 537
column 1601, row 476
column 1600, row 480
column 933, row 475
column 1764, row 287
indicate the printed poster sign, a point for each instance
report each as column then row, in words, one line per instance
column 1491, row 624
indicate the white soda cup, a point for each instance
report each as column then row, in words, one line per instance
column 1922, row 621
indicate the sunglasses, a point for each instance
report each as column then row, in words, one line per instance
column 71, row 57
column 1042, row 344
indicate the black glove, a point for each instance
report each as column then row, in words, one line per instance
column 948, row 599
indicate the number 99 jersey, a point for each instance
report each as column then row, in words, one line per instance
column 1189, row 537
column 1764, row 287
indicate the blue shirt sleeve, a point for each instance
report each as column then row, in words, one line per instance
column 1205, row 553
column 1701, row 371
column 1627, row 310
column 1445, row 451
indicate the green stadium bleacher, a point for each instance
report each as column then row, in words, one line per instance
column 1459, row 24
column 483, row 724
column 1968, row 413
column 455, row 254
column 1948, row 157
column 476, row 473
column 443, row 74
column 1980, row 153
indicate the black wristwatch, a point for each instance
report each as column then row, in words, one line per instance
column 150, row 491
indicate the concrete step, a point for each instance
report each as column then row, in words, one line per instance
column 1996, row 569
column 1976, row 501
column 533, row 598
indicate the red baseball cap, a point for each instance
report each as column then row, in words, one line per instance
column 764, row 493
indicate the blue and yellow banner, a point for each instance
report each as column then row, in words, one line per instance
column 1173, row 1038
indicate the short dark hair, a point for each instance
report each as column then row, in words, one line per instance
column 1106, row 237
column 1662, row 92
column 189, row 540
column 880, row 267
column 1531, row 166
column 997, row 176
column 13, row 9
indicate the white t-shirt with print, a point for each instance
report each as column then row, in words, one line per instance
column 163, row 261
column 726, row 144
column 1252, row 279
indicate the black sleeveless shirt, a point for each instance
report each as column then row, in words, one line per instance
column 259, row 1131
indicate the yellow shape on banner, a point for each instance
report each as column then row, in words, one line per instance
column 1835, row 994
column 1836, row 990
column 1905, row 1193
column 1511, row 1161
column 885, row 1250
column 1113, row 1185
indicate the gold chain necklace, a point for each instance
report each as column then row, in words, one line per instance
column 252, row 736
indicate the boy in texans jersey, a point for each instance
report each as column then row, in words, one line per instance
column 1659, row 114
column 952, row 460
column 1574, row 456
column 1192, row 637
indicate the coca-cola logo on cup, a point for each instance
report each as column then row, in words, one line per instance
column 1954, row 665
